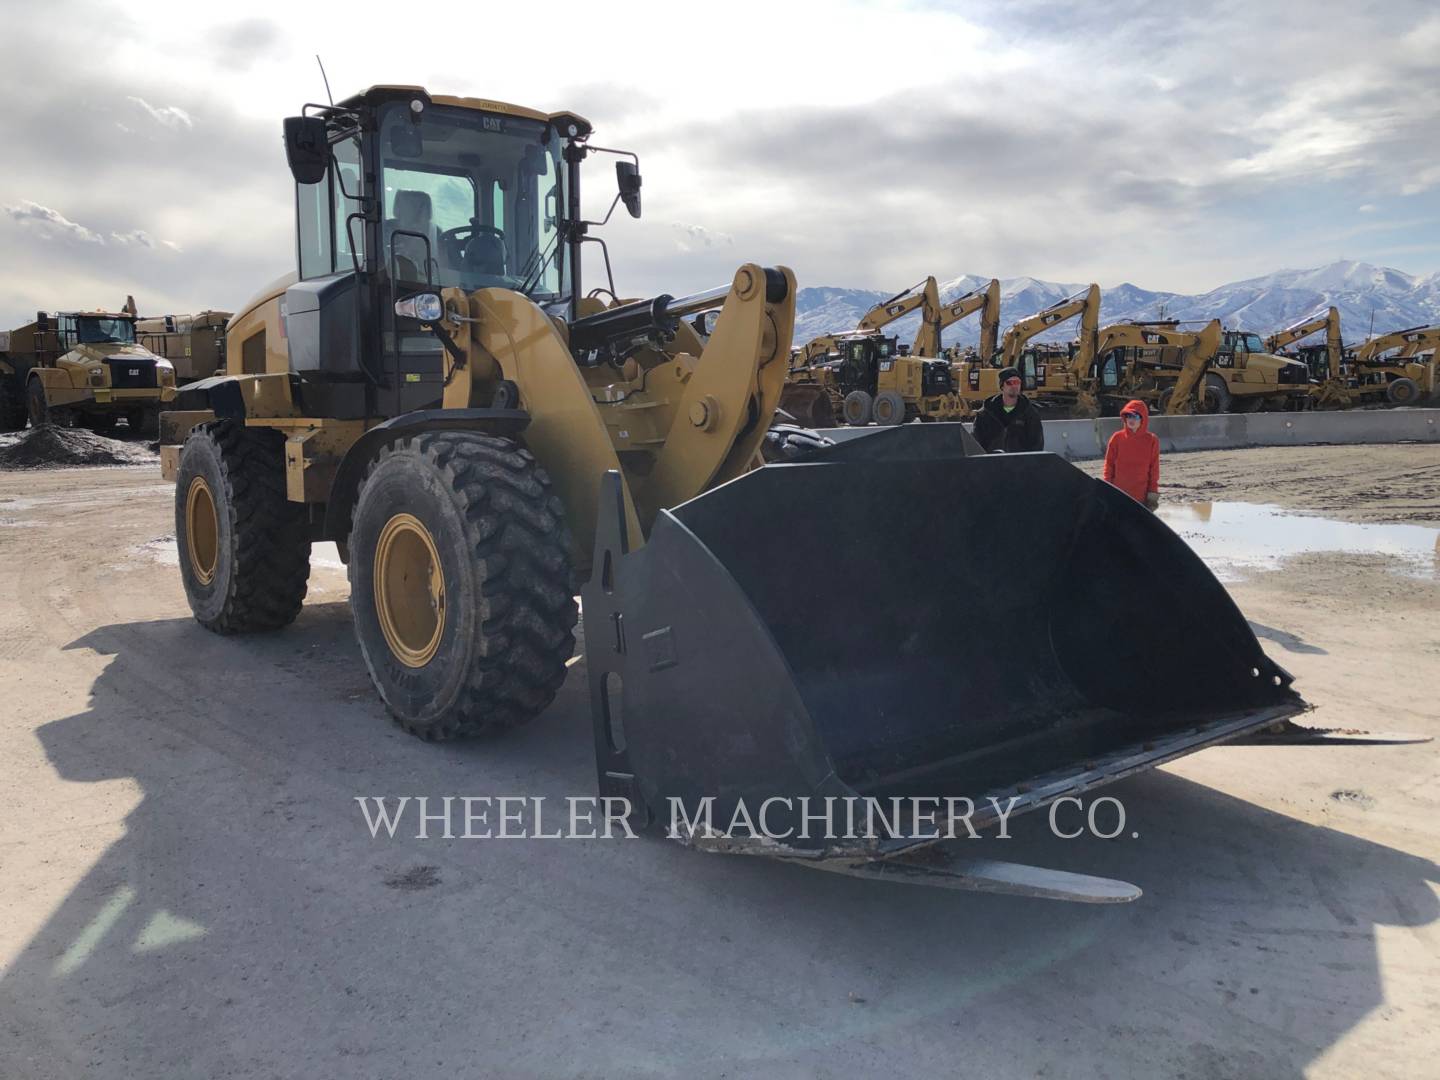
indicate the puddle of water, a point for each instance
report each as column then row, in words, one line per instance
column 1239, row 538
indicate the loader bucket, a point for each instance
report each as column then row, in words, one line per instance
column 900, row 617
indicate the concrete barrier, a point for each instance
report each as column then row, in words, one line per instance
column 1084, row 440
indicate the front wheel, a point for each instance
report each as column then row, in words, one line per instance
column 857, row 408
column 460, row 583
column 1214, row 395
column 1402, row 391
column 37, row 404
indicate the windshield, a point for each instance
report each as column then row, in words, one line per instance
column 93, row 331
column 471, row 199
column 1252, row 343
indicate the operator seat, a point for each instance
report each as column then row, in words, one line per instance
column 412, row 215
column 484, row 258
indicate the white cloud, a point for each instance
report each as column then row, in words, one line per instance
column 1367, row 208
column 51, row 223
column 134, row 238
column 170, row 116
column 692, row 237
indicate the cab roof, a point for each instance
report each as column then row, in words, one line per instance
column 386, row 91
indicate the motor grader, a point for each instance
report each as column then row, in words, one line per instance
column 434, row 390
column 864, row 376
column 82, row 367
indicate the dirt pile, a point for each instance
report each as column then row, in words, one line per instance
column 55, row 447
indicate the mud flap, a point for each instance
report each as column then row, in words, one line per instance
column 902, row 619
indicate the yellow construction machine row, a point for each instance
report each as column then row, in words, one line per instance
column 862, row 376
column 436, row 389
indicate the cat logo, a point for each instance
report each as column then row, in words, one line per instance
column 134, row 371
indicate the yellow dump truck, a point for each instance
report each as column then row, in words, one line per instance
column 81, row 367
column 195, row 344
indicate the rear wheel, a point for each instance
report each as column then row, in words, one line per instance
column 13, row 411
column 1402, row 391
column 889, row 407
column 244, row 548
column 460, row 582
column 1214, row 395
column 857, row 407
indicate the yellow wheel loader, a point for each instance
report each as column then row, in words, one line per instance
column 435, row 392
column 82, row 367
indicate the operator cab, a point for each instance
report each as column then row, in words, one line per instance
column 400, row 194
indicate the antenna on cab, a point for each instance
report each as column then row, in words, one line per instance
column 326, row 78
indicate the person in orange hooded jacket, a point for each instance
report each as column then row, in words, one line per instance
column 1132, row 457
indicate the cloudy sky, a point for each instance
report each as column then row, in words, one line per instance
column 864, row 144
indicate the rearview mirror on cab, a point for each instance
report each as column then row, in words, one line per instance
column 307, row 148
column 627, row 175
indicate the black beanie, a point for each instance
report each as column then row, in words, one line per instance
column 1007, row 374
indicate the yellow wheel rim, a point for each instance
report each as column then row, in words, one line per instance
column 409, row 590
column 202, row 530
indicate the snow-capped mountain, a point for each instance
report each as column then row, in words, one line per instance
column 1395, row 299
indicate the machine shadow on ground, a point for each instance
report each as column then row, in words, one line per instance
column 246, row 918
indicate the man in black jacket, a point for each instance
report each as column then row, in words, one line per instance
column 1008, row 421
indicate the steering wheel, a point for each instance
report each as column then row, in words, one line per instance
column 459, row 239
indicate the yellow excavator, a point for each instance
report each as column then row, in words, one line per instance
column 1050, row 376
column 865, row 375
column 434, row 390
column 1397, row 368
column 985, row 300
column 1158, row 363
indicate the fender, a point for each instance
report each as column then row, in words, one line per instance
column 351, row 470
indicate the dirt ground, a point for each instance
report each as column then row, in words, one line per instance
column 1348, row 483
column 187, row 887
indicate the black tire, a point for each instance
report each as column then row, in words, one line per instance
column 37, row 405
column 1402, row 391
column 252, row 575
column 888, row 408
column 1214, row 395
column 495, row 654
column 101, row 423
column 144, row 421
column 1251, row 404
column 14, row 411
column 857, row 408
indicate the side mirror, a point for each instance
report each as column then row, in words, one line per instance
column 627, row 175
column 307, row 148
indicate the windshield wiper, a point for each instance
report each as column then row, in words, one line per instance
column 532, row 276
